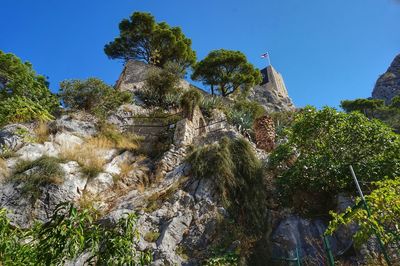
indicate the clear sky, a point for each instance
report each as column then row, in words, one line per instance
column 326, row 51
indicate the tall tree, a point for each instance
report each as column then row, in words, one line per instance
column 142, row 38
column 227, row 70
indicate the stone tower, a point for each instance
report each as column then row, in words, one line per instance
column 272, row 93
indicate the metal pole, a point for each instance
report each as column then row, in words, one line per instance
column 331, row 260
column 298, row 261
column 382, row 246
column 269, row 59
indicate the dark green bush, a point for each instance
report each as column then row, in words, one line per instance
column 161, row 88
column 92, row 95
column 322, row 144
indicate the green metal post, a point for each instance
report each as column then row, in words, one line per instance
column 328, row 249
column 382, row 246
column 298, row 261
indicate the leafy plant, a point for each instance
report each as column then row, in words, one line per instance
column 209, row 103
column 224, row 259
column 383, row 218
column 322, row 144
column 92, row 95
column 67, row 235
column 242, row 115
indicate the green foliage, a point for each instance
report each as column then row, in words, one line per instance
column 69, row 234
column 189, row 100
column 151, row 236
column 209, row 103
column 224, row 259
column 142, row 38
column 322, row 144
column 92, row 95
column 37, row 173
column 374, row 108
column 24, row 95
column 161, row 88
column 227, row 70
column 21, row 109
column 384, row 207
column 242, row 115
column 237, row 173
column 17, row 78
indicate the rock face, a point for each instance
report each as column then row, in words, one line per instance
column 388, row 84
column 272, row 93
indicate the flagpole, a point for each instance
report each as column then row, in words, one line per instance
column 269, row 59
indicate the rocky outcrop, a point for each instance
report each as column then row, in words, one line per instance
column 388, row 84
column 272, row 93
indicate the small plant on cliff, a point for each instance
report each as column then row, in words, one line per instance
column 238, row 175
column 92, row 95
column 189, row 100
column 37, row 173
column 320, row 147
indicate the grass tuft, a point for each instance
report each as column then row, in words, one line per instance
column 42, row 132
column 37, row 173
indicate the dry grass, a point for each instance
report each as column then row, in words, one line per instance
column 42, row 132
column 88, row 156
column 110, row 137
column 3, row 168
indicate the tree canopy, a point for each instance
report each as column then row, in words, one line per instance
column 322, row 144
column 24, row 95
column 365, row 106
column 227, row 70
column 142, row 38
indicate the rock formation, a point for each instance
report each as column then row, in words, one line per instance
column 388, row 84
column 272, row 93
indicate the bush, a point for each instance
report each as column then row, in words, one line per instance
column 161, row 88
column 322, row 144
column 242, row 115
column 21, row 109
column 70, row 233
column 239, row 176
column 35, row 174
column 92, row 95
column 189, row 100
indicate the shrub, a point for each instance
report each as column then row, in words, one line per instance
column 42, row 132
column 242, row 115
column 322, row 144
column 19, row 109
column 189, row 100
column 384, row 206
column 209, row 103
column 92, row 95
column 151, row 236
column 161, row 88
column 20, row 82
column 238, row 175
column 35, row 174
column 70, row 233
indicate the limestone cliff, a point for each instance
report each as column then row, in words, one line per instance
column 388, row 84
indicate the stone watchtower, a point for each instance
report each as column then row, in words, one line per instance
column 272, row 93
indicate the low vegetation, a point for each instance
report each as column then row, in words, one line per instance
column 238, row 174
column 35, row 174
column 314, row 161
column 189, row 100
column 71, row 232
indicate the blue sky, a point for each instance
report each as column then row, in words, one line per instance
column 326, row 51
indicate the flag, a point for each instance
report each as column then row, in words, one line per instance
column 264, row 55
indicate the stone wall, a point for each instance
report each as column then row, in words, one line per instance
column 190, row 128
